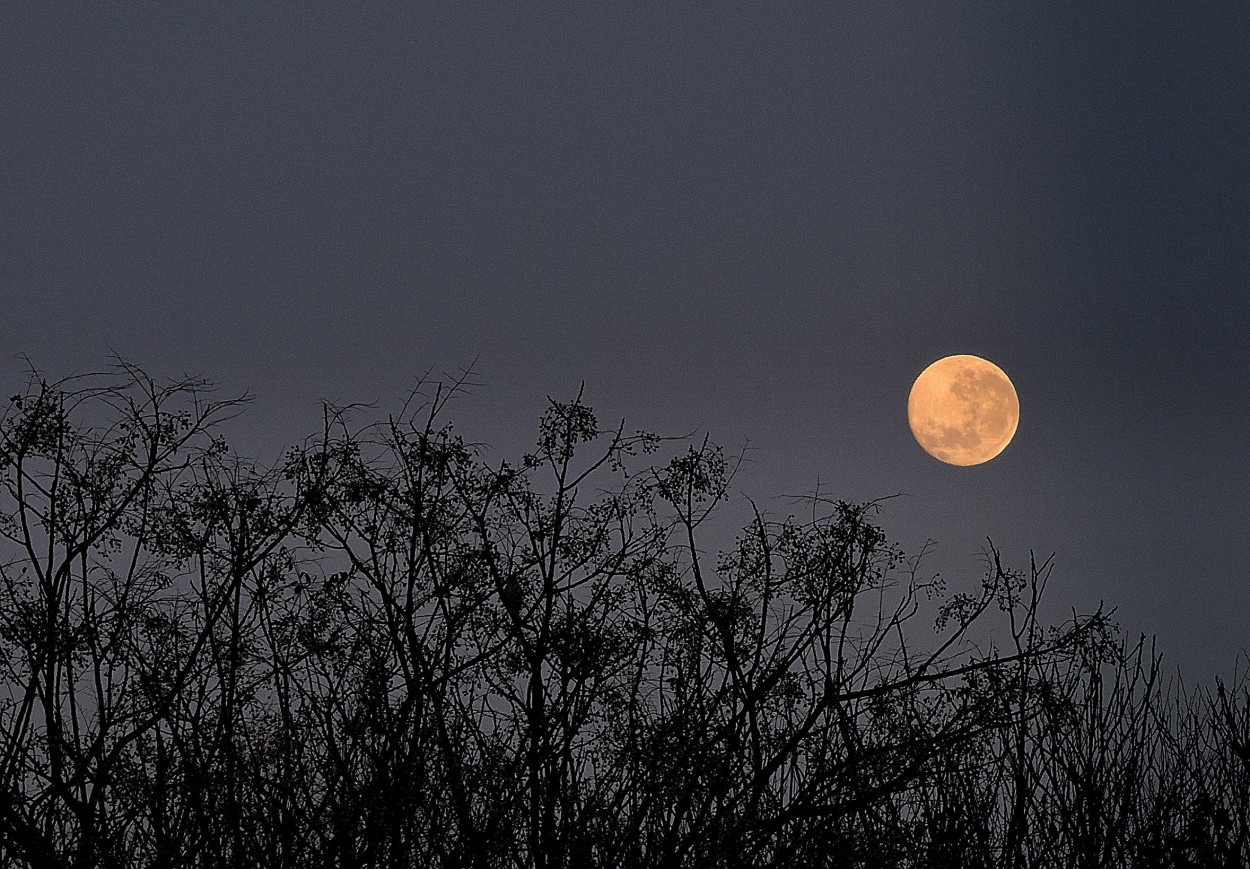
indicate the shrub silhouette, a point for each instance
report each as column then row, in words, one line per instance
column 388, row 651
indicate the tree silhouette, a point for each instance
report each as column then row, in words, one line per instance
column 389, row 651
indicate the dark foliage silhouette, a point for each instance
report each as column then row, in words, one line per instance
column 389, row 651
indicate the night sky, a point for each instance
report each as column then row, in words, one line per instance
column 757, row 221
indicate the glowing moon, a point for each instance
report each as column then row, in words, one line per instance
column 963, row 410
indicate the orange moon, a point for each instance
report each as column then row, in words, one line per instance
column 963, row 410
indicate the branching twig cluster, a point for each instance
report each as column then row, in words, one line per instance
column 388, row 651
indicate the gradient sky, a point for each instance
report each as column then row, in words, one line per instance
column 762, row 221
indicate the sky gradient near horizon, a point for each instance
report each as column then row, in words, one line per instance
column 762, row 221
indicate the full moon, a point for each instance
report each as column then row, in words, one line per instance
column 963, row 410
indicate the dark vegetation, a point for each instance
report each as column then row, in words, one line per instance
column 389, row 652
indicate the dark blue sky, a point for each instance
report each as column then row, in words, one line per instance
column 759, row 220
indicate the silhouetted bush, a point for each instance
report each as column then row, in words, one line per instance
column 388, row 651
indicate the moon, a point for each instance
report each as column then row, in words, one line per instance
column 963, row 410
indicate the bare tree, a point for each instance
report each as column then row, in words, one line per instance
column 390, row 650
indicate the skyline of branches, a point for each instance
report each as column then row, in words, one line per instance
column 387, row 651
